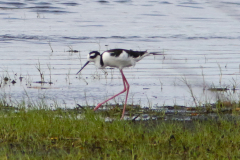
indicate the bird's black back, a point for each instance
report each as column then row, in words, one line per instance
column 131, row 53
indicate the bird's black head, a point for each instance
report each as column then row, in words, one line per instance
column 92, row 57
column 93, row 54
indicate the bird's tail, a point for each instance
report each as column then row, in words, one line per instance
column 156, row 53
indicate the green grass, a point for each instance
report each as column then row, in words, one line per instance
column 60, row 134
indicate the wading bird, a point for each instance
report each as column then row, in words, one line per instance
column 117, row 58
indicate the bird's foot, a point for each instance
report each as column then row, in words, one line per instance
column 99, row 105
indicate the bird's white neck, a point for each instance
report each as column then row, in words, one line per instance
column 97, row 62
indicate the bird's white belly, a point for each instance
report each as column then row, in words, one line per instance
column 118, row 62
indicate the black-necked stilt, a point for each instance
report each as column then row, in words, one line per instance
column 118, row 58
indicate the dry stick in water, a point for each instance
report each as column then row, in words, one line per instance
column 161, row 84
column 235, row 84
column 85, row 96
column 49, row 67
column 220, row 78
column 204, row 83
column 184, row 80
column 39, row 70
column 50, row 45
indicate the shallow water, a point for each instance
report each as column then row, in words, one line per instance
column 200, row 40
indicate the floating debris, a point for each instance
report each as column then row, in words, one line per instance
column 42, row 82
column 13, row 82
column 73, row 51
column 5, row 79
column 214, row 89
column 41, row 87
column 20, row 78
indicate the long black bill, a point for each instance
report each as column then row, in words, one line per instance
column 83, row 67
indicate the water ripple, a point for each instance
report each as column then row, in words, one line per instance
column 71, row 4
column 8, row 37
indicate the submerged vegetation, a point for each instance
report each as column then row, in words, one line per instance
column 80, row 133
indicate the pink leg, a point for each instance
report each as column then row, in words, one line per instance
column 126, row 88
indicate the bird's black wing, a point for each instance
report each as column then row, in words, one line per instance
column 135, row 54
column 115, row 52
column 131, row 53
